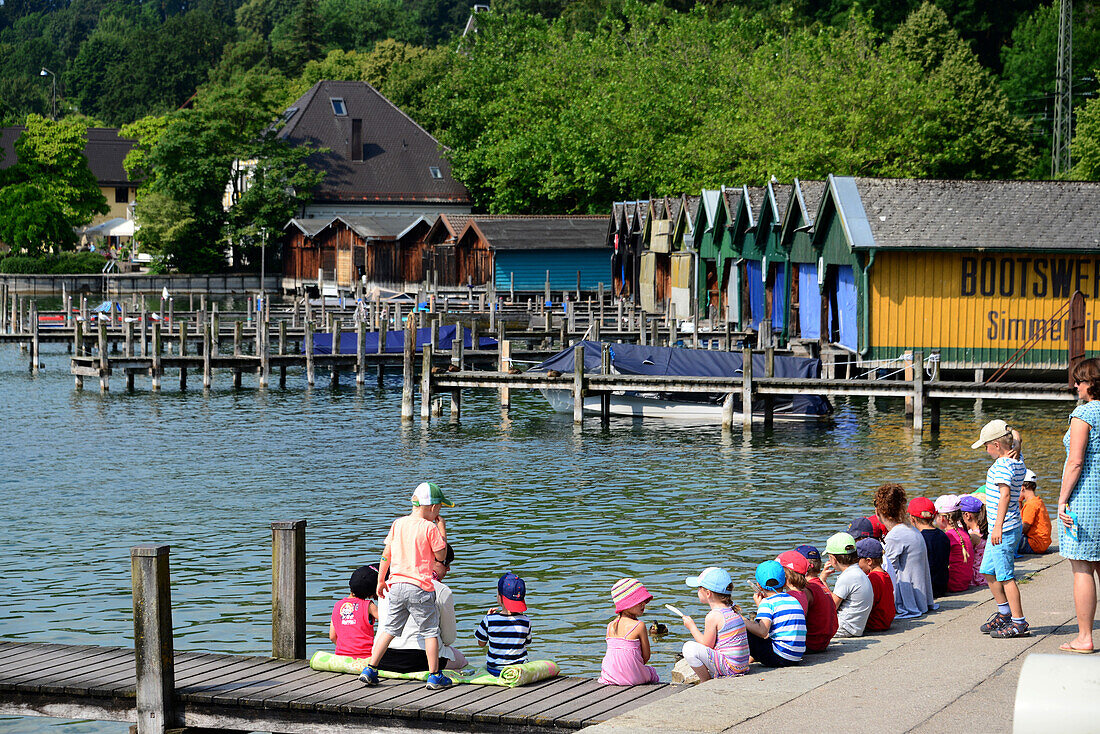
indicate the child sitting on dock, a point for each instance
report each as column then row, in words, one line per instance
column 1002, row 489
column 722, row 649
column 853, row 596
column 883, row 611
column 1034, row 514
column 977, row 527
column 506, row 631
column 777, row 637
column 351, row 627
column 922, row 511
column 628, row 651
column 960, row 561
column 906, row 554
column 821, row 620
column 413, row 542
column 795, row 566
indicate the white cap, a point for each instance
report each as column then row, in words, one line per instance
column 1030, row 476
column 991, row 432
column 947, row 503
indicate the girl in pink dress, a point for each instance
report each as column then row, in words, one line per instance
column 627, row 638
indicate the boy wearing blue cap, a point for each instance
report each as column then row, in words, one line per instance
column 506, row 631
column 777, row 637
column 413, row 542
column 722, row 648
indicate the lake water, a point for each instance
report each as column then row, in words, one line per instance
column 86, row 476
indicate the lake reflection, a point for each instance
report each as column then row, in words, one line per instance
column 87, row 475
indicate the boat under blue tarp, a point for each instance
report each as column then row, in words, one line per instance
column 634, row 359
column 395, row 341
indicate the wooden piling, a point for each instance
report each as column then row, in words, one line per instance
column 282, row 352
column 335, row 372
column 578, row 384
column 426, row 383
column 308, row 339
column 4, row 309
column 144, row 332
column 360, row 353
column 407, row 372
column 288, row 589
column 207, row 372
column 128, row 339
column 183, row 352
column 746, row 388
column 727, row 412
column 457, row 345
column 435, row 334
column 265, row 352
column 78, row 338
column 237, row 335
column 907, row 375
column 104, row 379
column 605, row 396
column 769, row 371
column 505, row 364
column 153, row 646
column 155, row 370
column 34, row 337
column 918, row 391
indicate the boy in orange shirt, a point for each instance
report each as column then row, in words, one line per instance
column 413, row 542
column 1036, row 537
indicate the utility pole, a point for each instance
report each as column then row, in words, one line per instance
column 53, row 91
column 1063, row 96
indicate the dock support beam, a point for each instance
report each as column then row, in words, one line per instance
column 407, row 371
column 288, row 589
column 153, row 652
column 578, row 384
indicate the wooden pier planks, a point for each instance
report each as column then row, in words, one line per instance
column 98, row 682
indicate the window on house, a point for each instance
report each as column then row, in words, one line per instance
column 436, row 173
column 338, row 107
column 122, row 195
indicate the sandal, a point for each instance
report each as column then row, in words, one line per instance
column 1068, row 647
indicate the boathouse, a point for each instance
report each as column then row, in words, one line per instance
column 978, row 270
column 524, row 253
column 805, row 305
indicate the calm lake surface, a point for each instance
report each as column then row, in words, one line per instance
column 86, row 476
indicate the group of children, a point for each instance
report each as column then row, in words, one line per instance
column 890, row 565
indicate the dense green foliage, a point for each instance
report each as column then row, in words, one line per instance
column 50, row 191
column 65, row 263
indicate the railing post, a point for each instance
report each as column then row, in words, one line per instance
column 288, row 589
column 153, row 652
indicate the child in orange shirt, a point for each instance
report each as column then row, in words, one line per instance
column 1033, row 512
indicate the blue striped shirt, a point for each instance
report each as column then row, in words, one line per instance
column 507, row 635
column 1010, row 472
column 788, row 630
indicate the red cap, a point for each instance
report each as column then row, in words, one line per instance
column 877, row 526
column 922, row 507
column 794, row 561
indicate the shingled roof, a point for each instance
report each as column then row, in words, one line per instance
column 105, row 151
column 541, row 233
column 400, row 162
column 994, row 215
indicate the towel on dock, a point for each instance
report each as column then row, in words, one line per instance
column 510, row 675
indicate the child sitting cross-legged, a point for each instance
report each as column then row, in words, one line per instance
column 853, row 595
column 627, row 638
column 505, row 632
column 721, row 649
column 777, row 637
column 1035, row 517
column 883, row 611
column 821, row 620
column 351, row 627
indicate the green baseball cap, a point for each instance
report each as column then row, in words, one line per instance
column 429, row 493
column 840, row 544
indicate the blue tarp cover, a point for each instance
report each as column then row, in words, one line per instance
column 633, row 359
column 395, row 341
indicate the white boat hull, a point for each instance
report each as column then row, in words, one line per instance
column 632, row 405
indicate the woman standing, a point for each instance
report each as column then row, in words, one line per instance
column 907, row 553
column 1079, row 501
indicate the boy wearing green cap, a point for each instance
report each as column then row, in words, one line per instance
column 414, row 541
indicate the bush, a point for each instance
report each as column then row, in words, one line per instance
column 67, row 263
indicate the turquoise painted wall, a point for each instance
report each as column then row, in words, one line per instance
column 530, row 266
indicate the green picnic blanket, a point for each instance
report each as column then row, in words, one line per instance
column 510, row 676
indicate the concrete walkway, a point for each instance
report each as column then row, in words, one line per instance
column 935, row 674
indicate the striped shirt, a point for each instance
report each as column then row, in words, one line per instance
column 1011, row 472
column 788, row 630
column 732, row 644
column 507, row 637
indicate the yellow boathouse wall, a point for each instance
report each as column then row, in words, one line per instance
column 978, row 308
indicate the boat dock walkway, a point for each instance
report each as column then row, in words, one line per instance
column 933, row 675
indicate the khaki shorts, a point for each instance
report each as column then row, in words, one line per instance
column 409, row 600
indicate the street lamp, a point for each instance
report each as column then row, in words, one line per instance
column 53, row 92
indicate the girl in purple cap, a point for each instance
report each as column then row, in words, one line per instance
column 627, row 638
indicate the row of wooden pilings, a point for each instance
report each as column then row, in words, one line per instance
column 154, row 647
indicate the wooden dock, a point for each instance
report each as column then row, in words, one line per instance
column 245, row 693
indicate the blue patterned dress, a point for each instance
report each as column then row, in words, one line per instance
column 1085, row 500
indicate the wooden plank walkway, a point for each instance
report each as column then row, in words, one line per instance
column 268, row 694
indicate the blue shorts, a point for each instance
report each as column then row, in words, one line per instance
column 999, row 561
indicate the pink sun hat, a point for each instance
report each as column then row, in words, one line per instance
column 627, row 593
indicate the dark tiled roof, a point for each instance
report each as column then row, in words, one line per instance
column 732, row 198
column 756, row 201
column 105, row 151
column 782, row 199
column 812, row 191
column 398, row 154
column 693, row 202
column 1045, row 215
column 538, row 233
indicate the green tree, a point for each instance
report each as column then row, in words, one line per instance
column 1086, row 143
column 50, row 190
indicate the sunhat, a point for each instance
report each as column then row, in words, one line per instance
column 429, row 493
column 713, row 578
column 627, row 593
column 991, row 432
column 840, row 544
column 947, row 503
column 771, row 576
